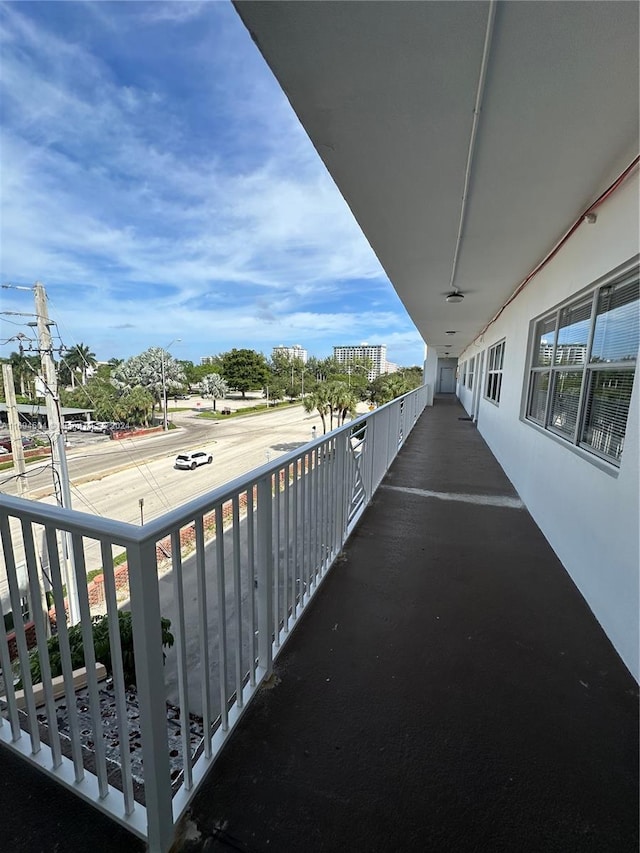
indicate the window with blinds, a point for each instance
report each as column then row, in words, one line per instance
column 582, row 367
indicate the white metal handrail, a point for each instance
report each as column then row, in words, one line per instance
column 244, row 562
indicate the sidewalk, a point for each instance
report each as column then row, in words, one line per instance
column 448, row 691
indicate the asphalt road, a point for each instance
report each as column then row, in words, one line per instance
column 146, row 463
column 109, row 478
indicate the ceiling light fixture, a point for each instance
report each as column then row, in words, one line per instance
column 451, row 333
column 455, row 296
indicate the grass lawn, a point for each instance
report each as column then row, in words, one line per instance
column 260, row 409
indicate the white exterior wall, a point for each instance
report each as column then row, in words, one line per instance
column 589, row 515
column 430, row 371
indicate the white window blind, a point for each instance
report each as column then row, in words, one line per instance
column 582, row 367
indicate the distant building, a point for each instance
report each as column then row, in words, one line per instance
column 208, row 359
column 295, row 351
column 375, row 353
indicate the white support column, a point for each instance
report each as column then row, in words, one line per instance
column 430, row 371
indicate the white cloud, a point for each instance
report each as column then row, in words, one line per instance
column 108, row 189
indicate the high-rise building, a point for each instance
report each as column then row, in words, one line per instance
column 375, row 353
column 295, row 351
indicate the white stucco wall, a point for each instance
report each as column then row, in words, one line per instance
column 431, row 371
column 589, row 515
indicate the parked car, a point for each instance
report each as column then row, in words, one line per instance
column 27, row 443
column 192, row 459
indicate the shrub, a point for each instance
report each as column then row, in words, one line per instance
column 101, row 645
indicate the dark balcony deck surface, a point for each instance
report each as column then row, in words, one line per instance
column 449, row 690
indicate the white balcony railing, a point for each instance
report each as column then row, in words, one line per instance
column 233, row 570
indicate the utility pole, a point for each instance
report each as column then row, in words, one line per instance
column 17, row 449
column 58, row 451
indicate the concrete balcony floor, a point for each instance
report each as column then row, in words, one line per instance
column 449, row 690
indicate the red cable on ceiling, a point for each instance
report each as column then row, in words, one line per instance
column 605, row 195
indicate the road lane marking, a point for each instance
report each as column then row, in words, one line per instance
column 483, row 500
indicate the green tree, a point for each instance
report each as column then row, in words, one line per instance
column 286, row 376
column 195, row 373
column 388, row 386
column 245, row 370
column 135, row 406
column 98, row 394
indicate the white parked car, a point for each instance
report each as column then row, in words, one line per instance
column 192, row 459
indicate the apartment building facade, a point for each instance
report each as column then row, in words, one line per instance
column 374, row 353
column 293, row 352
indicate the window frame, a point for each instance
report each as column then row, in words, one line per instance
column 588, row 370
column 471, row 372
column 493, row 379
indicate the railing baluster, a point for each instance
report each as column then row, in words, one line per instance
column 340, row 489
column 203, row 634
column 252, row 579
column 237, row 592
column 306, row 532
column 287, row 550
column 45, row 665
column 65, row 653
column 276, row 562
column 265, row 574
column 117, row 673
column 5, row 658
column 324, row 503
column 222, row 619
column 90, row 665
column 295, row 562
column 21, row 642
column 181, row 657
column 315, row 514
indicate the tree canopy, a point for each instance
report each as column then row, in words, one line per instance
column 244, row 370
column 388, row 386
column 333, row 400
column 286, row 376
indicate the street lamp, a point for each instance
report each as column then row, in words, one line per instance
column 165, row 423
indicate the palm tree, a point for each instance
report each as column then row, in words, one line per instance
column 318, row 400
column 343, row 401
column 154, row 369
column 25, row 369
column 214, row 386
column 79, row 358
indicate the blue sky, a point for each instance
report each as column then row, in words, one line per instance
column 156, row 180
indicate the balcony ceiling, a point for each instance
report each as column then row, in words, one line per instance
column 386, row 92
